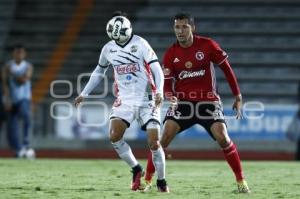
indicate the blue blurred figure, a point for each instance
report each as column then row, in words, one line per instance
column 293, row 131
column 16, row 79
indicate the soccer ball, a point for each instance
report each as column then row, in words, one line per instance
column 119, row 29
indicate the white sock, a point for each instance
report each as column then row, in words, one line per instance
column 159, row 162
column 125, row 153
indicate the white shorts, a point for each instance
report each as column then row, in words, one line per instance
column 143, row 114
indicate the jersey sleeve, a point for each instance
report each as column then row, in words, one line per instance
column 103, row 62
column 169, row 74
column 148, row 53
column 168, row 65
column 218, row 55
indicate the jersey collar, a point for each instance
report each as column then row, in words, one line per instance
column 125, row 44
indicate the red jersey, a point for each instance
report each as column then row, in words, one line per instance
column 193, row 70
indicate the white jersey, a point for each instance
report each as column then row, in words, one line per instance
column 132, row 72
column 18, row 91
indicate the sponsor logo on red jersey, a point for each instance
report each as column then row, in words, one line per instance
column 190, row 74
column 127, row 68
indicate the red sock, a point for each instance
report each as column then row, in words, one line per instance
column 232, row 156
column 150, row 170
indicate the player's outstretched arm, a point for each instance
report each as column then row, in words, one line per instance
column 94, row 80
column 5, row 88
column 231, row 79
column 159, row 82
column 237, row 106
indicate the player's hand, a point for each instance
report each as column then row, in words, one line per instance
column 7, row 103
column 7, row 107
column 158, row 100
column 78, row 100
column 173, row 103
column 237, row 106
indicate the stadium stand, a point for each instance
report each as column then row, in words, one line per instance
column 7, row 9
column 258, row 36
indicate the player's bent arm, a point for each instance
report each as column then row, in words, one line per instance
column 158, row 77
column 95, row 78
column 158, row 81
column 230, row 76
column 29, row 72
column 168, row 88
column 5, row 87
column 26, row 76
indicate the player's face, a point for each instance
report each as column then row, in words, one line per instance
column 19, row 54
column 183, row 30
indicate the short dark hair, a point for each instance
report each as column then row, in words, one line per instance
column 119, row 13
column 187, row 16
column 19, row 46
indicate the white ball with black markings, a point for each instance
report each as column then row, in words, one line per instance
column 119, row 29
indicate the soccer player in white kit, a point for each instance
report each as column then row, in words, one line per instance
column 139, row 83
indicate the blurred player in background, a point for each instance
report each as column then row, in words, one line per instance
column 2, row 112
column 293, row 131
column 16, row 79
column 139, row 80
column 190, row 85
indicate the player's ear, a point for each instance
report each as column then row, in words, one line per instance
column 193, row 28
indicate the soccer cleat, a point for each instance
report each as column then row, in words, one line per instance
column 148, row 186
column 243, row 187
column 22, row 153
column 162, row 186
column 137, row 174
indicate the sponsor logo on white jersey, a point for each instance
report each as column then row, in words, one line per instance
column 190, row 74
column 127, row 68
column 133, row 48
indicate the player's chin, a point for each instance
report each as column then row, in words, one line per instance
column 181, row 39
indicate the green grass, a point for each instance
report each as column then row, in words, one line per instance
column 110, row 179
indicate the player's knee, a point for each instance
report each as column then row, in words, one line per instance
column 153, row 125
column 154, row 145
column 224, row 141
column 114, row 137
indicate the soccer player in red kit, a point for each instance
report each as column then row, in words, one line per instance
column 190, row 86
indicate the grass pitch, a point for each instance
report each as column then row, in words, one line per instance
column 110, row 179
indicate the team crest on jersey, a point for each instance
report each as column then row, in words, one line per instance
column 133, row 48
column 188, row 64
column 127, row 68
column 199, row 55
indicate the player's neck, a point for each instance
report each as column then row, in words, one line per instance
column 18, row 61
column 187, row 43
